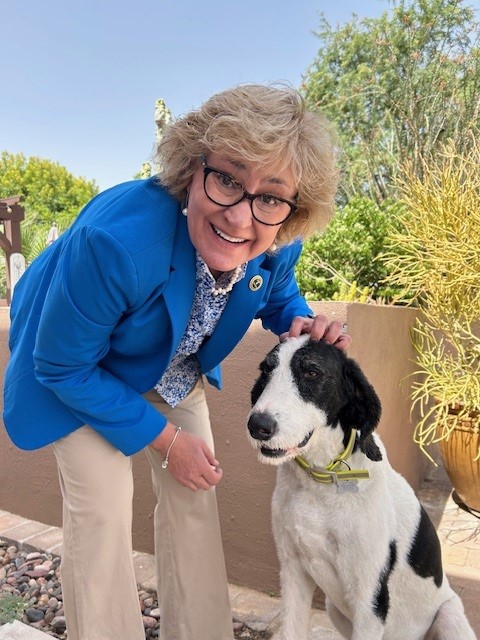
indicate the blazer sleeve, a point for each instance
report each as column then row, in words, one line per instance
column 284, row 300
column 94, row 284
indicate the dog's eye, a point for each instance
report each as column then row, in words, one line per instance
column 310, row 373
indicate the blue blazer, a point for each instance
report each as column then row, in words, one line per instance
column 97, row 317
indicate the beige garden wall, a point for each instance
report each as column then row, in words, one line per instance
column 29, row 485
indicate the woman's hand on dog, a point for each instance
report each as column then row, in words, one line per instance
column 319, row 328
column 190, row 461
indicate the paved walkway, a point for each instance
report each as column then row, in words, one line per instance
column 459, row 533
column 19, row 631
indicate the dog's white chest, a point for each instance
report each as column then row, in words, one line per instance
column 310, row 526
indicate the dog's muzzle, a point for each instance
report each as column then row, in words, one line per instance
column 263, row 426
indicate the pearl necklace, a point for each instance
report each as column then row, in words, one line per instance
column 220, row 291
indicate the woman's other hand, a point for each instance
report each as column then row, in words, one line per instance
column 319, row 328
column 190, row 461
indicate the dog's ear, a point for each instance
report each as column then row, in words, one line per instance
column 362, row 410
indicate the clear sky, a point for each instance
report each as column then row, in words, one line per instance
column 79, row 79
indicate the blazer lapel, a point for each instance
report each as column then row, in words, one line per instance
column 180, row 288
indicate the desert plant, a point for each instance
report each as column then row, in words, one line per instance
column 435, row 259
column 350, row 292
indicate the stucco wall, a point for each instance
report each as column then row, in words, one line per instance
column 29, row 485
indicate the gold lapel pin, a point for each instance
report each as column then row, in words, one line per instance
column 255, row 283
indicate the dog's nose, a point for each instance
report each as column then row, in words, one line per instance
column 262, row 425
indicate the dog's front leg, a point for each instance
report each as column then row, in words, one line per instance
column 366, row 625
column 297, row 589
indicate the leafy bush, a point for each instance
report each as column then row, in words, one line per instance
column 348, row 252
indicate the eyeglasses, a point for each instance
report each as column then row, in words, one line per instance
column 223, row 190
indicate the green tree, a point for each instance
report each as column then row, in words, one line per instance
column 397, row 86
column 50, row 193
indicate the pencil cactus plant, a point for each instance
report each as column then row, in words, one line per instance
column 435, row 259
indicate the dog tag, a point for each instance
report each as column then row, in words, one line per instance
column 347, row 486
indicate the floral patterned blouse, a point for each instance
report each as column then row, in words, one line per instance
column 208, row 305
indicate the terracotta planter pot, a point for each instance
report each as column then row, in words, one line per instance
column 458, row 453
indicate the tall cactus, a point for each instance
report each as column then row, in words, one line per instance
column 163, row 115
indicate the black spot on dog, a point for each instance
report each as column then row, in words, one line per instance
column 381, row 602
column 266, row 367
column 362, row 410
column 317, row 369
column 369, row 447
column 425, row 556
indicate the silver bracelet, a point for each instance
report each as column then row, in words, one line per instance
column 165, row 462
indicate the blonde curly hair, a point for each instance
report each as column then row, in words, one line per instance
column 264, row 125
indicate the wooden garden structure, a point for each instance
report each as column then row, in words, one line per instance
column 11, row 214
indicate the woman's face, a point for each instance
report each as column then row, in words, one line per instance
column 227, row 236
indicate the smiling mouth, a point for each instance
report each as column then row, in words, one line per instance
column 226, row 237
column 279, row 453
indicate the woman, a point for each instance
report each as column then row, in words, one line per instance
column 115, row 325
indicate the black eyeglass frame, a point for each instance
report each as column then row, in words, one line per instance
column 246, row 195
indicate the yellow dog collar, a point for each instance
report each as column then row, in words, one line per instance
column 345, row 479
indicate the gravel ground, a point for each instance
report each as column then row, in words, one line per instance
column 32, row 580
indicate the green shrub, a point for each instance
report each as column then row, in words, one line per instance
column 348, row 252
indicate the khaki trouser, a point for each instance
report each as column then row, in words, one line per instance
column 99, row 588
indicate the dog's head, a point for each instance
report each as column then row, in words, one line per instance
column 310, row 395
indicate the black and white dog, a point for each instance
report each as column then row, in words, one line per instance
column 343, row 519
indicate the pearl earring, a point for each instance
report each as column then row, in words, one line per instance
column 273, row 247
column 185, row 206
